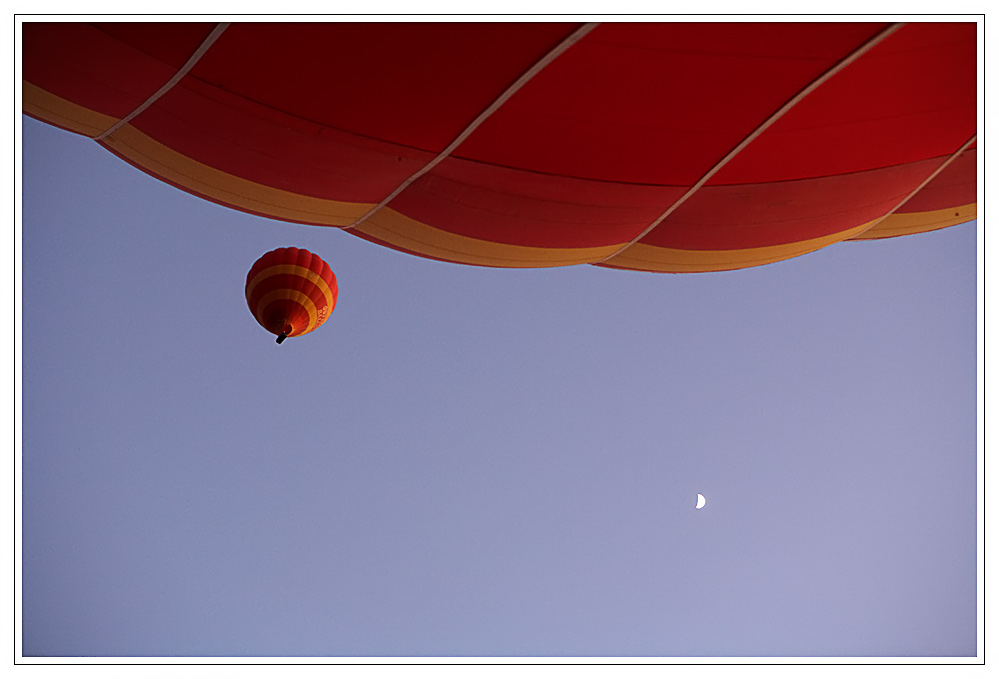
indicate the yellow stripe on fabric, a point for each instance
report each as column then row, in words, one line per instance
column 229, row 189
column 644, row 257
column 279, row 269
column 410, row 234
column 54, row 109
column 906, row 223
column 294, row 296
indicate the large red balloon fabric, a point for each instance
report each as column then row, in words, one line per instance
column 291, row 292
column 674, row 147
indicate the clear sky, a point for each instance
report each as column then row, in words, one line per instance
column 467, row 461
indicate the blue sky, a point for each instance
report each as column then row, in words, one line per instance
column 467, row 461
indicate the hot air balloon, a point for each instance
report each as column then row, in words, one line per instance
column 665, row 147
column 290, row 292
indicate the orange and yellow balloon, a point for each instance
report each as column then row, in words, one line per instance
column 291, row 292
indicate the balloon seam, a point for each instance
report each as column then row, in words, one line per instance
column 538, row 66
column 933, row 175
column 168, row 85
column 774, row 117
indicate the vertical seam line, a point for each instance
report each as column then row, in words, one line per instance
column 774, row 117
column 568, row 42
column 933, row 175
column 168, row 85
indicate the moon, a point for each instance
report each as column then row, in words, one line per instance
column 700, row 501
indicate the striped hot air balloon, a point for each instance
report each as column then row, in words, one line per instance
column 291, row 292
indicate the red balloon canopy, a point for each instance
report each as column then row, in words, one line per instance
column 670, row 147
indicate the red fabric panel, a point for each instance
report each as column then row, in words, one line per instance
column 911, row 97
column 170, row 42
column 417, row 84
column 279, row 312
column 657, row 103
column 264, row 145
column 203, row 196
column 957, row 185
column 89, row 67
column 523, row 208
column 757, row 215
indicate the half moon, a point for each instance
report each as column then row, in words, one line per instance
column 700, row 501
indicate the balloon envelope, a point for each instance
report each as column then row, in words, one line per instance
column 674, row 147
column 290, row 292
